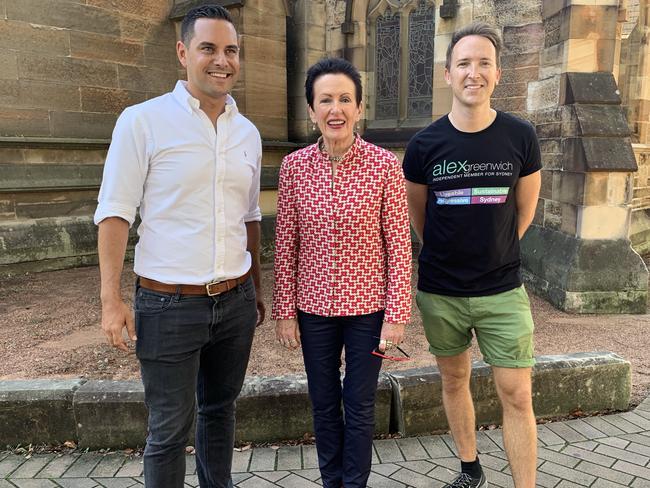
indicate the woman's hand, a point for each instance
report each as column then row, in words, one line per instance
column 391, row 334
column 288, row 333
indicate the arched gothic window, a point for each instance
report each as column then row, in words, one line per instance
column 401, row 57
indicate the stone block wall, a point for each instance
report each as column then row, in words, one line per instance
column 640, row 226
column 70, row 67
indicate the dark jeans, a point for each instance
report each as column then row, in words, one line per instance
column 343, row 443
column 192, row 349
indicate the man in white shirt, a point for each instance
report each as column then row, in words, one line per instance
column 191, row 163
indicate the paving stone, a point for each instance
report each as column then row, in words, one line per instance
column 33, row 483
column 590, row 456
column 108, row 466
column 289, row 458
column 615, row 442
column 32, row 466
column 411, row 478
column 605, row 473
column 422, row 467
column 375, row 457
column 6, row 484
column 263, row 459
column 273, row 476
column 388, row 451
column 9, row 464
column 77, row 482
column 256, row 482
column 435, row 447
column 632, row 469
column 623, row 454
column 547, row 436
column 636, row 419
column 116, row 482
column 557, row 457
column 411, row 449
column 638, row 449
column 309, row 457
column 638, row 438
column 604, row 427
column 294, row 481
column 240, row 460
column 385, row 469
column 239, row 477
column 190, row 465
column 601, row 483
column 131, row 467
column 484, row 444
column 57, row 466
column 497, row 478
column 587, row 430
column 566, row 432
column 82, row 466
column 546, row 480
column 443, row 474
column 496, row 436
column 567, row 474
column 449, row 440
column 378, row 481
column 587, row 445
column 310, row 474
column 625, row 425
column 491, row 462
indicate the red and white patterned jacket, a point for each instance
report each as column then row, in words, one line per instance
column 343, row 244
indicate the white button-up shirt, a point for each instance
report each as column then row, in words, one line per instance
column 195, row 187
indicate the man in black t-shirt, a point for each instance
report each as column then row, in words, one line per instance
column 473, row 182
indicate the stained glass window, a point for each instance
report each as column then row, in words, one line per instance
column 387, row 62
column 420, row 66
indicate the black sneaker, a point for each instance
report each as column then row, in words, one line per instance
column 466, row 481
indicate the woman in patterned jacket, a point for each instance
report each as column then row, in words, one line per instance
column 342, row 269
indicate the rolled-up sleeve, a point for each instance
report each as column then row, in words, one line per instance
column 397, row 240
column 286, row 248
column 125, row 170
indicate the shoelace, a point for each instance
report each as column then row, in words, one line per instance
column 463, row 481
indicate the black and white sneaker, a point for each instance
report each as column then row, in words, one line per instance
column 466, row 481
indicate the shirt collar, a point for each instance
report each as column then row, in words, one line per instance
column 350, row 154
column 185, row 98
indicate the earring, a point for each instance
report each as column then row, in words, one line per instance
column 313, row 126
column 356, row 126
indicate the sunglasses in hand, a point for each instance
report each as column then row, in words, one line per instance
column 384, row 355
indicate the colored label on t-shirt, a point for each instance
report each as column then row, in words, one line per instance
column 473, row 196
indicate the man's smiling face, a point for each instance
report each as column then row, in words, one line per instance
column 211, row 59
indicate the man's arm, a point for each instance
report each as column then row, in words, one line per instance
column 527, row 194
column 417, row 200
column 254, row 233
column 112, row 240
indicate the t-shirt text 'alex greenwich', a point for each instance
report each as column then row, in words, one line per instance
column 446, row 168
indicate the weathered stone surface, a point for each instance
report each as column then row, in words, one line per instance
column 110, row 413
column 82, row 124
column 37, row 94
column 9, row 63
column 42, row 176
column 67, row 15
column 139, row 29
column 583, row 276
column 601, row 120
column 523, row 39
column 67, row 70
column 105, row 48
column 588, row 381
column 45, row 204
column 24, row 122
column 108, row 100
column 591, row 88
column 561, row 384
column 598, row 154
column 37, row 411
column 146, row 79
column 29, row 37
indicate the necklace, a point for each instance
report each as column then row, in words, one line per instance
column 333, row 159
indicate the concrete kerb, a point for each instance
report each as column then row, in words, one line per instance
column 111, row 414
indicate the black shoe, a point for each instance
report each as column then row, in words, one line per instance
column 466, row 481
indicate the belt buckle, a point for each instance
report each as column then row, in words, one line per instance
column 207, row 289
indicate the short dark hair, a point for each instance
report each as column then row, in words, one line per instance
column 476, row 29
column 332, row 66
column 203, row 12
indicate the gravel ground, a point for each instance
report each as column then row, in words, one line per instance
column 49, row 328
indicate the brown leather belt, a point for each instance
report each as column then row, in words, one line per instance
column 209, row 289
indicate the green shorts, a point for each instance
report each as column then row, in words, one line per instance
column 502, row 323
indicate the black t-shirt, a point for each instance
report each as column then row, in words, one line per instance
column 471, row 246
